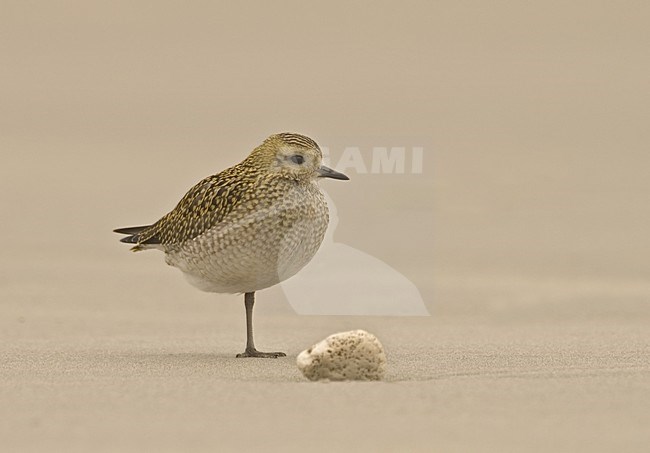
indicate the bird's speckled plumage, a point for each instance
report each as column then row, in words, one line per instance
column 250, row 226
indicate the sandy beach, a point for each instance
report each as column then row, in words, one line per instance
column 149, row 365
column 139, row 381
column 524, row 226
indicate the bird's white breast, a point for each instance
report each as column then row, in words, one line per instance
column 255, row 247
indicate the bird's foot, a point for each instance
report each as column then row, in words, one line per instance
column 256, row 353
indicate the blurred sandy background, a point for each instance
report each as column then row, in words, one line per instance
column 526, row 233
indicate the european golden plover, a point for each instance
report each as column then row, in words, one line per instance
column 249, row 227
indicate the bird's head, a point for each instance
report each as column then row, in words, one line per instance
column 293, row 156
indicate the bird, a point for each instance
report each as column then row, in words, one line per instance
column 248, row 227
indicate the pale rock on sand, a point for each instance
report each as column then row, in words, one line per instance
column 353, row 355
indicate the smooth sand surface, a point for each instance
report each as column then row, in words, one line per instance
column 525, row 230
column 130, row 377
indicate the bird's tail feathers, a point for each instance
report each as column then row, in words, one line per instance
column 135, row 237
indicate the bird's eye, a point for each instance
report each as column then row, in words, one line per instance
column 297, row 159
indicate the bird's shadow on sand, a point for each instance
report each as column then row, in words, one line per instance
column 197, row 357
column 218, row 365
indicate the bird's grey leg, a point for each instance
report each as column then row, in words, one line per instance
column 249, row 301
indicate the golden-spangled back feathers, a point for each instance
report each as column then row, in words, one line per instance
column 205, row 205
column 212, row 199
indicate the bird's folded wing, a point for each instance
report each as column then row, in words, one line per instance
column 203, row 206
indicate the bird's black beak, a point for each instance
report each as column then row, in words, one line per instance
column 326, row 172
